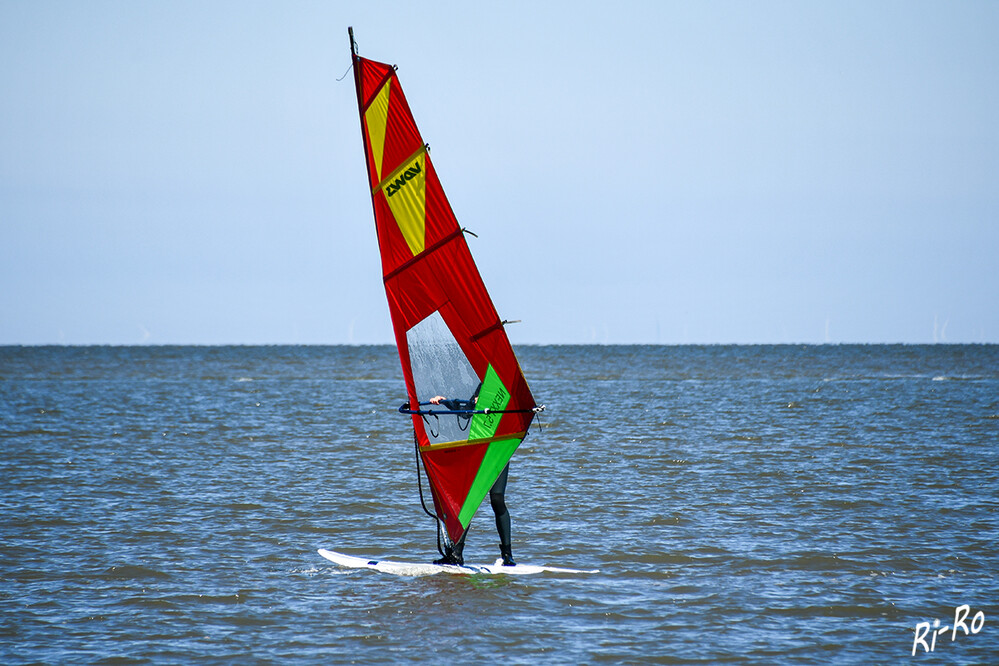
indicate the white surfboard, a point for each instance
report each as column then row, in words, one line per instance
column 423, row 569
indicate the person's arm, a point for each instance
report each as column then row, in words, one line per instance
column 454, row 405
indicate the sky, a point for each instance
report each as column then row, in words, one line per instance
column 636, row 172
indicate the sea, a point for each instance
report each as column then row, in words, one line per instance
column 824, row 504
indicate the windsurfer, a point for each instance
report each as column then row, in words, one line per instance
column 497, row 499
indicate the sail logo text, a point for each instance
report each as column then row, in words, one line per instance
column 923, row 629
column 406, row 176
column 499, row 402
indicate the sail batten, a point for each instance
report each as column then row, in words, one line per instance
column 379, row 88
column 450, row 339
column 429, row 250
column 474, row 442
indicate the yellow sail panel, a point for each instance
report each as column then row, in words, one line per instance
column 376, row 119
column 406, row 193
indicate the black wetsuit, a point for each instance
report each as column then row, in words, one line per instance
column 497, row 499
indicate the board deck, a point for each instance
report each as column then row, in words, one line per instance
column 426, row 569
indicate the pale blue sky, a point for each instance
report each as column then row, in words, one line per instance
column 675, row 172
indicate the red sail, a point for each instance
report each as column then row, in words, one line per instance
column 451, row 341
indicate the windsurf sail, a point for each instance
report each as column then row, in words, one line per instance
column 451, row 341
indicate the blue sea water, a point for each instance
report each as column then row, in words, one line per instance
column 744, row 504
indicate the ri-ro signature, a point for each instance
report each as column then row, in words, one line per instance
column 924, row 631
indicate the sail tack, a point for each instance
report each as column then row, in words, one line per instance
column 451, row 341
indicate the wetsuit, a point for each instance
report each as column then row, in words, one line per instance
column 497, row 499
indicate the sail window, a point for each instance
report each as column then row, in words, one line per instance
column 440, row 368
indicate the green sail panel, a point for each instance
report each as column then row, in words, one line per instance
column 492, row 395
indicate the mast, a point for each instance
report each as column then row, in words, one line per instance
column 355, row 63
column 357, row 78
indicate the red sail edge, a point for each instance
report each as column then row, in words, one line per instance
column 446, row 327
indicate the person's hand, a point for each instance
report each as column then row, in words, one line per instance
column 437, row 399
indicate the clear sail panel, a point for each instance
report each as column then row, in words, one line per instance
column 440, row 369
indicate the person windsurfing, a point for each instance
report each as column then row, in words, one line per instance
column 497, row 495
